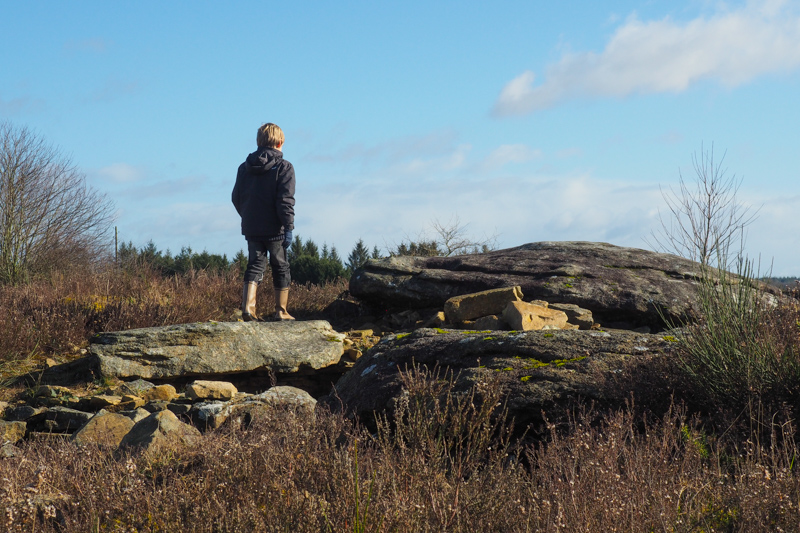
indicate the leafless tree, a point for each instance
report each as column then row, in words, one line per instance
column 49, row 216
column 707, row 223
column 450, row 238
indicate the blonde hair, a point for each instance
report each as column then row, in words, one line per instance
column 269, row 135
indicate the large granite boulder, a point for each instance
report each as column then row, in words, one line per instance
column 539, row 371
column 618, row 285
column 217, row 348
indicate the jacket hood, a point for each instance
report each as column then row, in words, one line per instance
column 263, row 160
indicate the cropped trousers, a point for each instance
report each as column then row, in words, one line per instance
column 257, row 262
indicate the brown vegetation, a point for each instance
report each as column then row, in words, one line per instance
column 55, row 317
column 446, row 461
column 445, row 466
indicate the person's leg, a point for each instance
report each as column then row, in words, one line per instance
column 256, row 264
column 281, row 278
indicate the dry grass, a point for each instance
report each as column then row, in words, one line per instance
column 446, row 461
column 432, row 471
column 57, row 316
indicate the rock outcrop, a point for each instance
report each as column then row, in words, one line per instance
column 539, row 370
column 104, row 429
column 618, row 285
column 159, row 431
column 216, row 349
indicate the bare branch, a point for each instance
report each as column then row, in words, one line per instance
column 51, row 217
column 706, row 222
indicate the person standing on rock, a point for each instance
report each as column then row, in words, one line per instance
column 264, row 198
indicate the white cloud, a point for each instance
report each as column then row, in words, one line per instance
column 519, row 209
column 121, row 173
column 393, row 150
column 511, row 153
column 730, row 47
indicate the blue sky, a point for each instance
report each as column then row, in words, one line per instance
column 527, row 120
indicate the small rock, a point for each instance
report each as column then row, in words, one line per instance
column 104, row 429
column 11, row 432
column 576, row 315
column 136, row 414
column 526, row 317
column 179, row 408
column 160, row 392
column 51, row 391
column 210, row 415
column 3, row 407
column 130, row 402
column 104, row 400
column 210, row 390
column 160, row 430
column 135, row 388
column 9, row 450
column 436, row 321
column 156, row 406
column 27, row 413
column 64, row 419
column 491, row 322
column 284, row 395
column 353, row 354
column 478, row 304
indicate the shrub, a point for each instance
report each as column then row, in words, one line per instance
column 744, row 348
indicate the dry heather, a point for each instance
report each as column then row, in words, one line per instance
column 445, row 466
column 56, row 317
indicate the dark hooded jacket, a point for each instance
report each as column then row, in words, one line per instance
column 264, row 194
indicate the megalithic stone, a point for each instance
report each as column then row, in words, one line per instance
column 217, row 348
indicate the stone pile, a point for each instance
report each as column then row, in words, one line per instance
column 139, row 414
column 504, row 309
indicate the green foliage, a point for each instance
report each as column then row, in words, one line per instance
column 130, row 258
column 358, row 256
column 738, row 351
column 420, row 248
column 309, row 266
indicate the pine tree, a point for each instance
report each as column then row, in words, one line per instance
column 357, row 257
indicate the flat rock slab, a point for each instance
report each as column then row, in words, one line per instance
column 617, row 284
column 217, row 348
column 538, row 370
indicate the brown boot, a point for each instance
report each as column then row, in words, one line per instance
column 281, row 301
column 249, row 301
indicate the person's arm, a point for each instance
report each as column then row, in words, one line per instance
column 235, row 194
column 284, row 198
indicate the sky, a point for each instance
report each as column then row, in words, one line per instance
column 522, row 121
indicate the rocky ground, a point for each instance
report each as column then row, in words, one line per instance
column 552, row 322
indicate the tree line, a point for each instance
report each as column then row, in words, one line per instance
column 309, row 262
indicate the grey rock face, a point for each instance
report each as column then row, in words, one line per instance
column 212, row 414
column 66, row 419
column 104, row 429
column 217, row 348
column 538, row 370
column 159, row 430
column 616, row 284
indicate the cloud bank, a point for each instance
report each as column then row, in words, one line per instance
column 643, row 57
